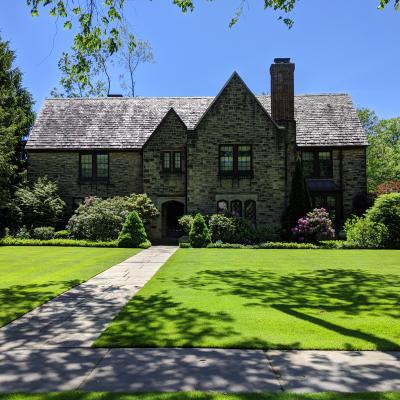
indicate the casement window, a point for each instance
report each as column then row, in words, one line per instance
column 171, row 161
column 235, row 160
column 317, row 164
column 94, row 166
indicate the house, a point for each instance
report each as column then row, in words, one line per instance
column 235, row 151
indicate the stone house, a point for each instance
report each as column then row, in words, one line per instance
column 235, row 151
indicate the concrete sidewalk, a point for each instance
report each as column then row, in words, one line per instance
column 77, row 317
column 222, row 370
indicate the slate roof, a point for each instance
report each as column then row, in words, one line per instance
column 126, row 123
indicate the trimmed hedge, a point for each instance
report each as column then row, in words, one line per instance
column 267, row 245
column 8, row 241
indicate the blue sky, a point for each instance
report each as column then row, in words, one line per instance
column 338, row 46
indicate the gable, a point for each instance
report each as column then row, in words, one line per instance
column 238, row 97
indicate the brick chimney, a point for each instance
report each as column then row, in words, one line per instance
column 282, row 89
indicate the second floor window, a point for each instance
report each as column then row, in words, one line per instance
column 317, row 164
column 172, row 161
column 235, row 160
column 94, row 166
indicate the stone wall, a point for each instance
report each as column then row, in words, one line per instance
column 164, row 186
column 237, row 118
column 63, row 166
column 354, row 176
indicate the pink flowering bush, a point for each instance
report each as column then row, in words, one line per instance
column 315, row 226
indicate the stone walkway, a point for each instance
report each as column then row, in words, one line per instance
column 77, row 317
column 48, row 349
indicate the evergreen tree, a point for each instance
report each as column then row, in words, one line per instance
column 16, row 119
column 299, row 200
column 199, row 235
column 133, row 233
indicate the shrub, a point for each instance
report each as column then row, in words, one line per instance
column 186, row 222
column 222, row 228
column 314, row 227
column 23, row 233
column 43, row 233
column 10, row 241
column 199, row 234
column 184, row 245
column 244, row 231
column 40, row 205
column 388, row 187
column 133, row 233
column 364, row 233
column 102, row 219
column 386, row 210
column 64, row 234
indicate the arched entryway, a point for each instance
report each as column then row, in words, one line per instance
column 171, row 212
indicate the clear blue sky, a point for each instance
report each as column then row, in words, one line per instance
column 338, row 46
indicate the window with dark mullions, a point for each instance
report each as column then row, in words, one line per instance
column 94, row 166
column 172, row 161
column 235, row 160
column 317, row 164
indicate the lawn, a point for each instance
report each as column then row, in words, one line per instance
column 200, row 396
column 32, row 275
column 285, row 299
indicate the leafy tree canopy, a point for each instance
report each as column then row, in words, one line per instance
column 383, row 153
column 98, row 26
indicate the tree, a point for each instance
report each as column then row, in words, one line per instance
column 383, row 153
column 299, row 200
column 98, row 24
column 132, row 54
column 133, row 233
column 16, row 119
column 40, row 205
column 199, row 235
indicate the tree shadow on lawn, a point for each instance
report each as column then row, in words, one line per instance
column 17, row 300
column 354, row 293
column 160, row 321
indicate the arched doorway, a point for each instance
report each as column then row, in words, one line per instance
column 171, row 212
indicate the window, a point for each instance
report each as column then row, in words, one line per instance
column 250, row 211
column 166, row 161
column 244, row 158
column 308, row 164
column 236, row 208
column 226, row 159
column 222, row 206
column 235, row 160
column 317, row 164
column 177, row 161
column 172, row 161
column 94, row 166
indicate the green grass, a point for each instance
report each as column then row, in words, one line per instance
column 32, row 275
column 200, row 396
column 285, row 299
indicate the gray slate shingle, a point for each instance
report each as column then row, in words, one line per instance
column 126, row 123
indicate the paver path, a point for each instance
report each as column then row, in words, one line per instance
column 48, row 349
column 77, row 317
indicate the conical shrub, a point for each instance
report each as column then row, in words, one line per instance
column 199, row 235
column 132, row 233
